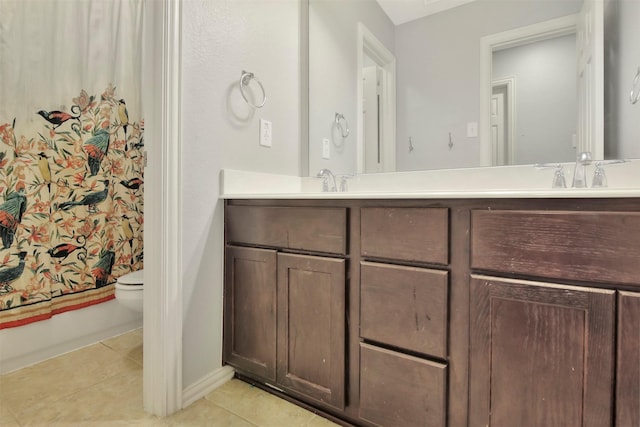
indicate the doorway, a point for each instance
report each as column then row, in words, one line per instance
column 503, row 121
column 376, row 76
column 371, row 113
column 497, row 42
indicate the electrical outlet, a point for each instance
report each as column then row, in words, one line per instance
column 326, row 148
column 265, row 133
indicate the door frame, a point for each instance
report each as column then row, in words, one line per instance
column 488, row 44
column 369, row 43
column 162, row 311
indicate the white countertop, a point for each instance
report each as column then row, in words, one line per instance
column 495, row 182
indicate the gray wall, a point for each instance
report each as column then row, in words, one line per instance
column 546, row 104
column 332, row 75
column 220, row 39
column 622, row 59
column 438, row 77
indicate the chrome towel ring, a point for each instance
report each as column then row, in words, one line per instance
column 634, row 96
column 339, row 120
column 245, row 79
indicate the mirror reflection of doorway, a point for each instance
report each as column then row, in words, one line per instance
column 371, row 114
column 500, row 135
column 546, row 107
column 377, row 105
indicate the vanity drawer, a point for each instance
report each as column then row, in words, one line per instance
column 590, row 246
column 304, row 228
column 404, row 307
column 407, row 234
column 398, row 390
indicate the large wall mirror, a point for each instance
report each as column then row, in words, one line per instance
column 401, row 85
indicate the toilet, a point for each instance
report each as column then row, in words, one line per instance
column 129, row 290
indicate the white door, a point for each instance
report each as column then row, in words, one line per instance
column 371, row 118
column 498, row 131
column 590, row 78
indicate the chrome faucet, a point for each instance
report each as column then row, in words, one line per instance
column 326, row 174
column 580, row 171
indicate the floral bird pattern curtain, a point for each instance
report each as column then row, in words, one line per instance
column 71, row 153
column 71, row 208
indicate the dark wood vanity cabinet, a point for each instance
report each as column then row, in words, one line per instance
column 404, row 316
column 541, row 354
column 311, row 327
column 543, row 351
column 439, row 312
column 628, row 366
column 285, row 312
column 250, row 310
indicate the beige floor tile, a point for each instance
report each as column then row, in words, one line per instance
column 152, row 422
column 101, row 386
column 113, row 400
column 206, row 413
column 232, row 394
column 6, row 417
column 270, row 411
column 45, row 384
column 318, row 421
column 259, row 407
column 262, row 408
column 128, row 344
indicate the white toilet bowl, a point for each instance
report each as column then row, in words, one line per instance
column 129, row 290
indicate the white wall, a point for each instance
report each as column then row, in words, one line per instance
column 622, row 59
column 438, row 77
column 332, row 75
column 220, row 39
column 546, row 100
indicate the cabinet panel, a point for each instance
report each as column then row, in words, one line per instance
column 589, row 246
column 406, row 234
column 401, row 390
column 312, row 229
column 404, row 307
column 311, row 327
column 250, row 310
column 541, row 354
column 628, row 375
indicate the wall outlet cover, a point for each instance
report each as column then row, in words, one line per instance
column 326, row 148
column 266, row 133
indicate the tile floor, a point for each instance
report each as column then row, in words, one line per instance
column 101, row 385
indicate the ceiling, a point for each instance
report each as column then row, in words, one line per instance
column 401, row 11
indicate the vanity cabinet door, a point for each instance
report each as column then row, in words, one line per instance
column 628, row 375
column 250, row 311
column 311, row 327
column 541, row 354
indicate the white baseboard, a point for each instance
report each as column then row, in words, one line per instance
column 206, row 385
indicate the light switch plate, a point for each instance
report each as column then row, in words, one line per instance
column 326, row 148
column 265, row 133
column 472, row 130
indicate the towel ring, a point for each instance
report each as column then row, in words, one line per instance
column 245, row 79
column 634, row 96
column 339, row 119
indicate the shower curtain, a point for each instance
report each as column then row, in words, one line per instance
column 71, row 153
